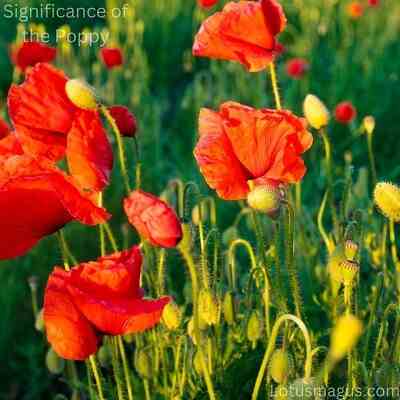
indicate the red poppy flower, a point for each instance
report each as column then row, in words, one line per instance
column 297, row 67
column 153, row 219
column 239, row 144
column 355, row 9
column 94, row 298
column 124, row 119
column 244, row 31
column 36, row 200
column 30, row 53
column 345, row 112
column 373, row 3
column 207, row 3
column 112, row 57
column 4, row 129
column 49, row 126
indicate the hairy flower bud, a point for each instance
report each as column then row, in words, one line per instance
column 315, row 112
column 171, row 316
column 55, row 364
column 349, row 271
column 387, row 198
column 280, row 365
column 350, row 249
column 208, row 307
column 265, row 199
column 228, row 308
column 143, row 363
column 254, row 328
column 81, row 94
column 104, row 356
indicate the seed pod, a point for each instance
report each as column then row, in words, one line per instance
column 306, row 389
column 266, row 199
column 104, row 356
column 315, row 111
column 350, row 249
column 208, row 308
column 344, row 336
column 171, row 316
column 387, row 198
column 229, row 308
column 349, row 271
column 55, row 364
column 81, row 94
column 143, row 363
column 280, row 365
column 254, row 328
column 39, row 322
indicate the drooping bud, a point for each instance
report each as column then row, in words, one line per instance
column 143, row 363
column 350, row 249
column 199, row 214
column 171, row 316
column 228, row 308
column 387, row 198
column 280, row 365
column 349, row 271
column 265, row 199
column 81, row 94
column 55, row 364
column 208, row 308
column 254, row 328
column 369, row 124
column 315, row 112
column 345, row 336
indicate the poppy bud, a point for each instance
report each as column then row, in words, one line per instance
column 254, row 328
column 199, row 214
column 228, row 308
column 112, row 57
column 344, row 336
column 345, row 112
column 387, row 198
column 280, row 365
column 306, row 388
column 349, row 271
column 369, row 124
column 81, row 94
column 190, row 329
column 315, row 111
column 197, row 364
column 350, row 249
column 54, row 363
column 208, row 308
column 39, row 322
column 334, row 264
column 104, row 356
column 187, row 239
column 171, row 316
column 125, row 120
column 142, row 363
column 265, row 199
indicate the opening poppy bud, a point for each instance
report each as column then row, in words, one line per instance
column 280, row 365
column 344, row 336
column 369, row 124
column 39, row 322
column 104, row 356
column 55, row 364
column 228, row 308
column 315, row 112
column 387, row 198
column 265, row 199
column 349, row 271
column 350, row 249
column 306, row 388
column 171, row 316
column 254, row 328
column 208, row 307
column 81, row 94
column 143, row 363
column 124, row 119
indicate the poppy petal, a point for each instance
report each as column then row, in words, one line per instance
column 68, row 331
column 30, row 53
column 89, row 153
column 4, row 129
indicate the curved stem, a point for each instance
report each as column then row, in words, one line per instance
column 275, row 87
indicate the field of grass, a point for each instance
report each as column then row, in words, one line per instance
column 165, row 86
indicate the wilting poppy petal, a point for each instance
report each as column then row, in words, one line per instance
column 4, row 129
column 244, row 31
column 112, row 57
column 68, row 331
column 89, row 153
column 153, row 219
column 125, row 120
column 30, row 53
column 217, row 161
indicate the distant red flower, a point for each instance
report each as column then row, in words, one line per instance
column 49, row 126
column 4, row 128
column 207, row 3
column 243, row 31
column 373, row 3
column 112, row 57
column 95, row 298
column 355, row 9
column 36, row 200
column 345, row 112
column 239, row 145
column 297, row 67
column 153, row 219
column 124, row 119
column 30, row 53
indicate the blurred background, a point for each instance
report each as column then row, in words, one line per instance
column 350, row 58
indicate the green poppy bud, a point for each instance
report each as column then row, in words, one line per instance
column 55, row 364
column 280, row 365
column 254, row 328
column 143, row 363
column 228, row 308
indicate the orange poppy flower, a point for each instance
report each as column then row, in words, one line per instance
column 244, row 31
column 29, row 53
column 94, row 298
column 36, row 200
column 154, row 219
column 112, row 57
column 355, row 9
column 240, row 145
column 49, row 126
column 4, row 129
column 124, row 119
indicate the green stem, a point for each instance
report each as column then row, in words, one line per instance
column 97, row 378
column 275, row 87
column 126, row 367
column 372, row 159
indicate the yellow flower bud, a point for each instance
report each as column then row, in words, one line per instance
column 171, row 316
column 280, row 365
column 350, row 249
column 197, row 363
column 387, row 198
column 254, row 328
column 315, row 112
column 187, row 238
column 143, row 363
column 265, row 199
column 369, row 124
column 345, row 336
column 229, row 308
column 334, row 264
column 81, row 94
column 349, row 271
column 199, row 214
column 55, row 364
column 208, row 308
